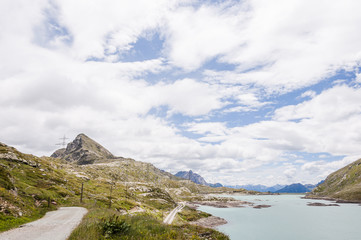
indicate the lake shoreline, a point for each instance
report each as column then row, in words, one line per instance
column 336, row 200
column 214, row 221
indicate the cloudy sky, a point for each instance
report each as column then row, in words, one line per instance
column 241, row 92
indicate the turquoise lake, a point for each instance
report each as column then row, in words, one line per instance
column 289, row 218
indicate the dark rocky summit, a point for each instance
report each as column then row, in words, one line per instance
column 83, row 150
column 196, row 178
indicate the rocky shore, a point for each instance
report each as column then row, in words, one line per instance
column 209, row 222
column 317, row 204
column 337, row 200
column 221, row 204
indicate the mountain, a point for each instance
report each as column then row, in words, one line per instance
column 343, row 184
column 196, row 178
column 310, row 187
column 294, row 188
column 215, row 185
column 259, row 188
column 83, row 150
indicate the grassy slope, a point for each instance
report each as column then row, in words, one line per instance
column 25, row 189
column 343, row 184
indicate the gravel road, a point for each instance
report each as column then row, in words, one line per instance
column 55, row 225
column 169, row 219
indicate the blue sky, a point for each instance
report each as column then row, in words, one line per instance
column 241, row 92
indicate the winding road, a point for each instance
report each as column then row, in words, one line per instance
column 55, row 225
column 169, row 219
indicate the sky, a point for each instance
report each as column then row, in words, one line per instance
column 241, row 92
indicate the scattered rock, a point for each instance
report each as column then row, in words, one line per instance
column 136, row 210
column 347, row 201
column 209, row 222
column 10, row 156
column 261, row 206
column 317, row 204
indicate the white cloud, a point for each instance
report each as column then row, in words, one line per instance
column 194, row 36
column 100, row 27
column 335, row 104
column 48, row 88
column 358, row 77
column 308, row 94
column 287, row 45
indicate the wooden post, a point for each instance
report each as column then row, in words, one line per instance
column 110, row 196
column 126, row 190
column 48, row 202
column 81, row 193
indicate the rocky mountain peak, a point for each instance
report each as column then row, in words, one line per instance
column 194, row 177
column 83, row 150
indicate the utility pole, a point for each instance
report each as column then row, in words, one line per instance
column 81, row 193
column 110, row 196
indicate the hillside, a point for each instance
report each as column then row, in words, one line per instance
column 344, row 184
column 31, row 186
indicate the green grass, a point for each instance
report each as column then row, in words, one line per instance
column 140, row 226
column 9, row 222
column 189, row 214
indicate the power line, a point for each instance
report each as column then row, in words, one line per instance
column 63, row 143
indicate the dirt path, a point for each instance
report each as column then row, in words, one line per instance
column 55, row 225
column 169, row 219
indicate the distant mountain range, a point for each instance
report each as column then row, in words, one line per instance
column 196, row 178
column 293, row 188
column 296, row 188
column 259, row 188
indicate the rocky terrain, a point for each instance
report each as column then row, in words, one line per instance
column 209, row 222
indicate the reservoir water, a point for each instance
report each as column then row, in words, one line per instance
column 289, row 218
